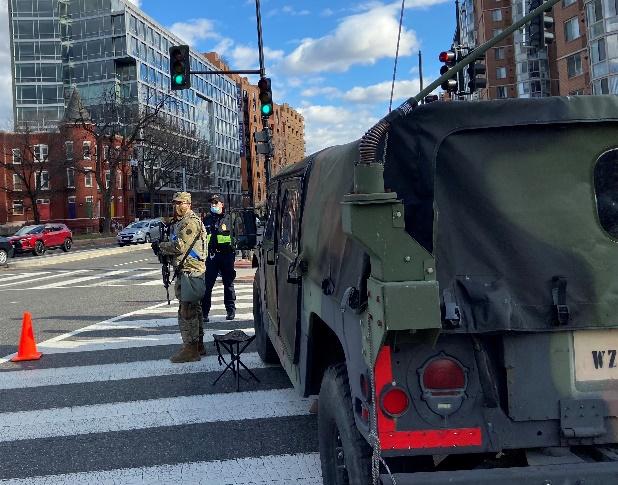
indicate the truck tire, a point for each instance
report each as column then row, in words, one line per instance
column 344, row 453
column 265, row 348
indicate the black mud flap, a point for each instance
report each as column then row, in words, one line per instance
column 582, row 418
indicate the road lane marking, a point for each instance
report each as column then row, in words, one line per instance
column 63, row 284
column 20, row 379
column 113, row 343
column 167, row 322
column 126, row 278
column 152, row 413
column 298, row 469
column 22, row 276
column 240, row 306
column 57, row 275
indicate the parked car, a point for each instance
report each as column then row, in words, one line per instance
column 140, row 232
column 6, row 250
column 39, row 238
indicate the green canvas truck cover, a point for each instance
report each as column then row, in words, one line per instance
column 502, row 193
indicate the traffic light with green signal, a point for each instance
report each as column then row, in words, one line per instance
column 180, row 67
column 266, row 97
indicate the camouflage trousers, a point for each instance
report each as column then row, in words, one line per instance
column 189, row 319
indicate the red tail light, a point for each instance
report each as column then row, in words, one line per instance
column 443, row 376
column 395, row 401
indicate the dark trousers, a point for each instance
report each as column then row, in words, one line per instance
column 220, row 263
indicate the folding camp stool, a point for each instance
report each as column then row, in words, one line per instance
column 235, row 342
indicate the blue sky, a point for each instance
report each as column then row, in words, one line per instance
column 331, row 60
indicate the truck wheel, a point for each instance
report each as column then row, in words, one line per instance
column 344, row 453
column 265, row 348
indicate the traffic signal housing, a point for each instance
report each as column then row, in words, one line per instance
column 540, row 28
column 476, row 75
column 449, row 58
column 180, row 67
column 263, row 141
column 266, row 97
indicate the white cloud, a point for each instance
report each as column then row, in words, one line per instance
column 382, row 91
column 195, row 30
column 247, row 57
column 327, row 12
column 328, row 91
column 6, row 82
column 331, row 125
column 137, row 3
column 361, row 38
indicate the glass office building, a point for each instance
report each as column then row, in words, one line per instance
column 102, row 45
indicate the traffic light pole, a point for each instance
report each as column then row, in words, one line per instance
column 478, row 53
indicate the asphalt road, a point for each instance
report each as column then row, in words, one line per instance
column 105, row 405
column 63, row 309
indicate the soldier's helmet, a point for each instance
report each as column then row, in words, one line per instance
column 182, row 197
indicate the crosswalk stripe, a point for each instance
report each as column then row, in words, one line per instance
column 73, row 281
column 175, row 411
column 174, row 309
column 163, row 322
column 41, row 278
column 110, row 343
column 141, row 274
column 114, row 372
column 300, row 469
column 22, row 276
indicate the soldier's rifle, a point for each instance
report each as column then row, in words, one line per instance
column 165, row 260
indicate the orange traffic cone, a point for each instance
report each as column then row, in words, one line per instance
column 27, row 345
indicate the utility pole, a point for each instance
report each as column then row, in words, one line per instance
column 420, row 71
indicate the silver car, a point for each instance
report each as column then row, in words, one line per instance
column 140, row 232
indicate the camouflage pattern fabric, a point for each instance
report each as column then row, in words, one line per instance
column 182, row 235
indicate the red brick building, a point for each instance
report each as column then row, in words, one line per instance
column 59, row 169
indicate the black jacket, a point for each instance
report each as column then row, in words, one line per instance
column 218, row 230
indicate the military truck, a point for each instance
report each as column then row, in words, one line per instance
column 448, row 286
column 454, row 304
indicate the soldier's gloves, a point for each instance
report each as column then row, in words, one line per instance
column 155, row 247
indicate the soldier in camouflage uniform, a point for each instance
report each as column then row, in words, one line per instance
column 185, row 227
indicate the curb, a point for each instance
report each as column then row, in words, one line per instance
column 69, row 258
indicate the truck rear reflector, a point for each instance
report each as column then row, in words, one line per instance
column 391, row 438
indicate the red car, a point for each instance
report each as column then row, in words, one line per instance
column 38, row 239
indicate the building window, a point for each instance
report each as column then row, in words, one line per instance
column 18, row 183
column 18, row 207
column 42, row 180
column 86, row 150
column 40, row 153
column 118, row 180
column 70, row 177
column 496, row 15
column 106, row 152
column 496, row 32
column 501, row 73
column 566, row 3
column 88, row 179
column 571, row 29
column 598, row 51
column 574, row 65
column 577, row 92
column 502, row 92
column 68, row 146
column 499, row 53
column 107, row 179
column 16, row 156
column 594, row 12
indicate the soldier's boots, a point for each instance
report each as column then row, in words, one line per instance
column 188, row 353
column 231, row 314
column 200, row 346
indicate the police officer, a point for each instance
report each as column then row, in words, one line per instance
column 186, row 227
column 220, row 257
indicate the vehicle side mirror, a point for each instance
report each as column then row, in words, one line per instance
column 244, row 230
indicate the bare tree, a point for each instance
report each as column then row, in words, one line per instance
column 165, row 151
column 32, row 160
column 116, row 125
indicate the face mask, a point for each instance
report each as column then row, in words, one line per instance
column 215, row 209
